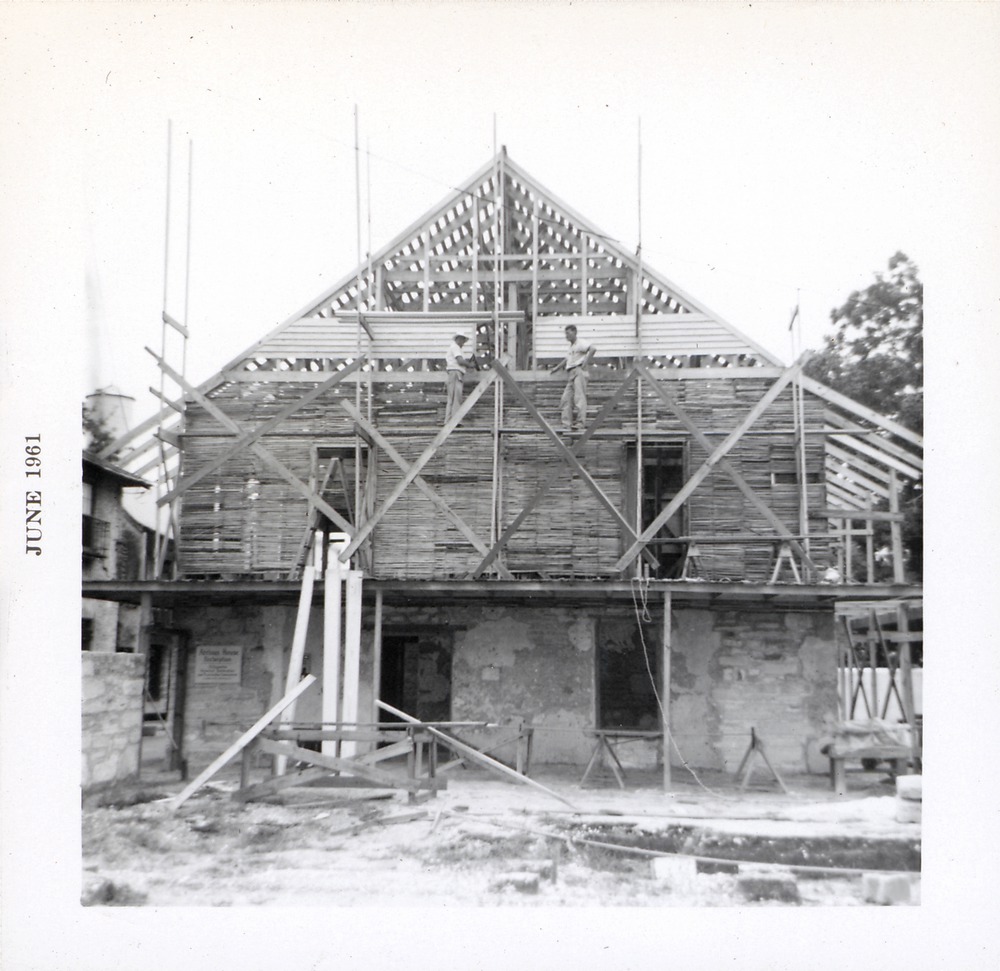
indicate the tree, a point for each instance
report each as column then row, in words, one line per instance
column 876, row 356
column 876, row 352
column 97, row 434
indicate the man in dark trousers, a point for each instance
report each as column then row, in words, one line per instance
column 574, row 396
column 455, row 363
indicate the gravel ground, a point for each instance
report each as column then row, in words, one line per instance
column 481, row 842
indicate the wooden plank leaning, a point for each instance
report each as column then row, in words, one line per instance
column 475, row 755
column 245, row 739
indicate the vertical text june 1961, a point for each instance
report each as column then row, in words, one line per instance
column 33, row 497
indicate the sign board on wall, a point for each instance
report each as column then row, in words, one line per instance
column 218, row 664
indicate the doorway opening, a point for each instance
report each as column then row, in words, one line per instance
column 628, row 667
column 416, row 674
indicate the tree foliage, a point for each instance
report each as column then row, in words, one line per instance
column 97, row 434
column 875, row 354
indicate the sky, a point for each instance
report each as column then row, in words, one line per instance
column 787, row 151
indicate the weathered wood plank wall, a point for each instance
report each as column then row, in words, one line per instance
column 246, row 520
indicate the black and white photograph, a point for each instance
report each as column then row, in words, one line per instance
column 478, row 453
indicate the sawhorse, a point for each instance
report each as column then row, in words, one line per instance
column 785, row 555
column 746, row 766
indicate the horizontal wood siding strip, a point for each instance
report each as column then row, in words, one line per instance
column 673, row 334
column 394, row 336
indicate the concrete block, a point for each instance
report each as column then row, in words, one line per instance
column 908, row 811
column 520, row 880
column 677, row 872
column 890, row 888
column 764, row 884
column 910, row 787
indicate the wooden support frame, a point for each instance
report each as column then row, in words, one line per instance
column 297, row 654
column 716, row 457
column 242, row 742
column 248, row 438
column 422, row 484
column 275, row 463
column 415, row 469
column 573, row 461
column 475, row 755
column 842, row 401
column 549, row 484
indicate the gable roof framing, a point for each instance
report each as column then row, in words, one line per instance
column 558, row 263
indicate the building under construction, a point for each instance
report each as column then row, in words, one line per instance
column 680, row 575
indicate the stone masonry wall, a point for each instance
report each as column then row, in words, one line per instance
column 112, row 717
column 733, row 670
column 509, row 661
column 217, row 714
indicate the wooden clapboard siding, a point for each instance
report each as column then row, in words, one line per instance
column 397, row 335
column 245, row 519
column 614, row 336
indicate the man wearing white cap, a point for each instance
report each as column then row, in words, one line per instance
column 455, row 364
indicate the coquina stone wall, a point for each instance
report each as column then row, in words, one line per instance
column 732, row 670
column 112, row 717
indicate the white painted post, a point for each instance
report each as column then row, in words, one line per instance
column 377, row 656
column 352, row 656
column 665, row 690
column 298, row 653
column 331, row 647
column 896, row 531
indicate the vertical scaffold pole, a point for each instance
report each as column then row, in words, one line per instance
column 665, row 689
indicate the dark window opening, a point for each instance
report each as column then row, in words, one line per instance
column 87, row 633
column 127, row 557
column 792, row 478
column 662, row 479
column 416, row 675
column 627, row 670
column 157, row 687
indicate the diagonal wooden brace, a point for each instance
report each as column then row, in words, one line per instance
column 715, row 457
column 247, row 439
column 726, row 466
column 550, row 483
column 574, row 463
column 276, row 464
column 415, row 469
column 421, row 483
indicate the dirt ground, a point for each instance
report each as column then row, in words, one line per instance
column 484, row 841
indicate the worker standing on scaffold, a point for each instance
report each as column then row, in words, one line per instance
column 574, row 396
column 455, row 364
